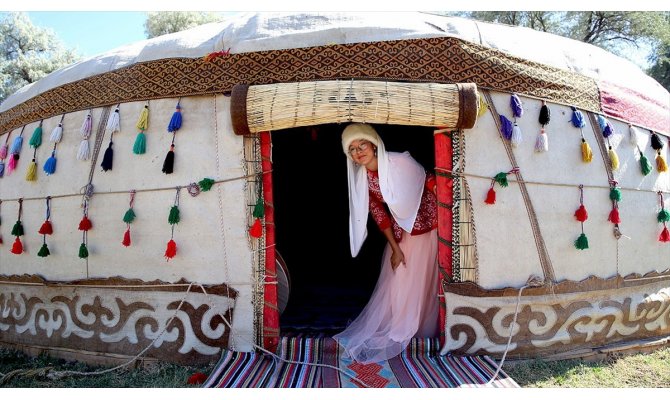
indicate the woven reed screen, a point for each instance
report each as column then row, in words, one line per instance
column 272, row 107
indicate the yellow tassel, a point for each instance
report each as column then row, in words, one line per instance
column 31, row 174
column 614, row 158
column 143, row 122
column 587, row 154
column 661, row 165
column 482, row 107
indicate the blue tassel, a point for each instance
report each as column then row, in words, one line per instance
column 16, row 145
column 577, row 118
column 517, row 108
column 507, row 127
column 50, row 165
column 2, row 169
column 175, row 121
column 605, row 126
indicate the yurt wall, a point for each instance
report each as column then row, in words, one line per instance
column 506, row 245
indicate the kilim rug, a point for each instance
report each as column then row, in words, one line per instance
column 419, row 366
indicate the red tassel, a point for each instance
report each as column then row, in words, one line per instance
column 665, row 235
column 256, row 229
column 614, row 216
column 581, row 214
column 85, row 224
column 17, row 247
column 171, row 250
column 1, row 240
column 46, row 228
column 491, row 196
column 126, row 238
column 197, row 379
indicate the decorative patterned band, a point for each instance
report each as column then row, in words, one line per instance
column 440, row 60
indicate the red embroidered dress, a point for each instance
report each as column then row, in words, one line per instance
column 426, row 218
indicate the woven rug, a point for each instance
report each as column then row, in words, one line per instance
column 419, row 366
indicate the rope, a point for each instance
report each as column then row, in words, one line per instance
column 532, row 281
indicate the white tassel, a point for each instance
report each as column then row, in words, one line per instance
column 114, row 123
column 86, row 127
column 83, row 152
column 516, row 136
column 542, row 142
column 635, row 135
column 57, row 133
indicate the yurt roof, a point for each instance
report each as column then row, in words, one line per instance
column 621, row 88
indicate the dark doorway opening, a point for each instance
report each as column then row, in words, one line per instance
column 329, row 288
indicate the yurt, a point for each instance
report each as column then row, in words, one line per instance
column 186, row 195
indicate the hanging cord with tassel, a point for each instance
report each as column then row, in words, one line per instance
column 657, row 144
column 34, row 142
column 173, row 127
column 581, row 215
column 140, row 146
column 608, row 131
column 501, row 179
column 577, row 120
column 56, row 136
column 46, row 229
column 17, row 230
column 15, row 152
column 84, row 151
column 84, row 225
column 517, row 111
column 128, row 218
column 615, row 197
column 542, row 142
column 256, row 229
column 173, row 219
column 113, row 126
column 533, row 281
column 663, row 217
column 4, row 151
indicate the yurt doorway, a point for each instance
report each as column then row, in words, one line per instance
column 328, row 288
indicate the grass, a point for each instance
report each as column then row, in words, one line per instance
column 635, row 371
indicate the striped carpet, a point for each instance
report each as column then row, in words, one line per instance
column 419, row 366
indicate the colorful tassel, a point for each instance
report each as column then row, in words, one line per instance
column 36, row 138
column 581, row 214
column 129, row 216
column 31, row 172
column 665, row 235
column 17, row 247
column 140, row 146
column 645, row 165
column 605, row 126
column 577, row 118
column 656, row 143
column 545, row 114
column 108, row 158
column 614, row 159
column 206, row 184
column 17, row 144
column 614, row 216
column 259, row 208
column 17, row 229
column 517, row 107
column 2, row 169
column 44, row 251
column 126, row 238
column 143, row 120
column 482, row 107
column 171, row 250
column 661, row 165
column 4, row 150
column 501, row 179
column 256, row 229
column 490, row 196
column 506, row 127
column 173, row 217
column 587, row 153
column 85, row 224
column 663, row 216
column 615, row 194
column 582, row 242
column 83, row 251
column 176, row 120
column 46, row 228
column 50, row 166
column 168, row 164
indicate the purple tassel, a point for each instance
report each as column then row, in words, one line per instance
column 517, row 108
column 507, row 127
column 605, row 126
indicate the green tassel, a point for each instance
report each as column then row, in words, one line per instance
column 173, row 218
column 663, row 216
column 206, row 184
column 259, row 208
column 140, row 146
column 44, row 251
column 582, row 243
column 17, row 230
column 36, row 138
column 645, row 166
column 501, row 178
column 129, row 216
column 615, row 194
column 83, row 251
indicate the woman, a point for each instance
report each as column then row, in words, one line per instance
column 404, row 302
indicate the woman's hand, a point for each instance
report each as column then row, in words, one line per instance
column 397, row 258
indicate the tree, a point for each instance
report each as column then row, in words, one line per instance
column 621, row 32
column 28, row 53
column 164, row 22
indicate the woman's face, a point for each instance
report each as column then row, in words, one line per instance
column 362, row 152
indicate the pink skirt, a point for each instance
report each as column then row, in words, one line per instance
column 403, row 305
